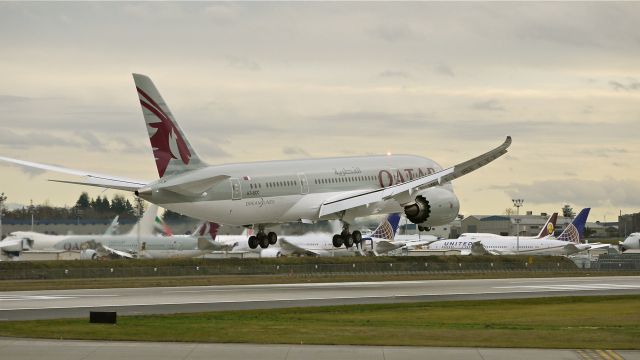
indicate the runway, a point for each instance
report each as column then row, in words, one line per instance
column 43, row 304
column 18, row 349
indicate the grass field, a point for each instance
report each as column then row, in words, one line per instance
column 607, row 322
column 135, row 282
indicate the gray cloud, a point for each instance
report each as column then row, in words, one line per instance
column 295, row 151
column 13, row 140
column 395, row 32
column 393, row 74
column 605, row 152
column 631, row 85
column 243, row 64
column 92, row 142
column 605, row 193
column 444, row 69
column 490, row 105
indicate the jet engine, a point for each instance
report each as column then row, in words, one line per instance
column 270, row 253
column 419, row 211
column 88, row 254
column 432, row 207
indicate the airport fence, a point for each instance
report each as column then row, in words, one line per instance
column 306, row 269
column 616, row 262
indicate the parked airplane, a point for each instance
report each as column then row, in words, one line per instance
column 543, row 244
column 380, row 241
column 632, row 242
column 140, row 241
column 270, row 192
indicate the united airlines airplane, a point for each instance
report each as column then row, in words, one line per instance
column 543, row 244
column 271, row 192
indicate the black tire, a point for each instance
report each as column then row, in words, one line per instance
column 273, row 238
column 357, row 237
column 263, row 241
column 253, row 242
column 348, row 241
column 337, row 240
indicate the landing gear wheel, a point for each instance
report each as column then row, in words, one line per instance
column 424, row 228
column 263, row 240
column 253, row 242
column 337, row 240
column 273, row 238
column 357, row 237
column 348, row 241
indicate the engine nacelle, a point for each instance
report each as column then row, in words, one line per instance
column 419, row 211
column 15, row 244
column 270, row 253
column 432, row 207
column 88, row 254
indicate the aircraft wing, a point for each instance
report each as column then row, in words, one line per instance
column 289, row 246
column 115, row 252
column 598, row 245
column 352, row 200
column 478, row 249
column 92, row 179
column 384, row 245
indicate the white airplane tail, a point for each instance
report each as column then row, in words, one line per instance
column 146, row 225
column 171, row 149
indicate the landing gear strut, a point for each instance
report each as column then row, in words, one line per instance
column 261, row 239
column 347, row 238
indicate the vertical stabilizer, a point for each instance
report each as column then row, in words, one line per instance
column 171, row 149
column 549, row 227
column 146, row 225
column 387, row 228
column 575, row 231
column 208, row 230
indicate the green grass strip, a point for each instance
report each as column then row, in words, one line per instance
column 597, row 322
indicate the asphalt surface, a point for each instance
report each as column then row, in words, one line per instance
column 18, row 349
column 43, row 304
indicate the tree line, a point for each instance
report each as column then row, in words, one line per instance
column 99, row 208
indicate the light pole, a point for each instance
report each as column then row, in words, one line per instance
column 517, row 203
column 3, row 198
column 31, row 208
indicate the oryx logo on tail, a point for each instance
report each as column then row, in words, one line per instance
column 166, row 140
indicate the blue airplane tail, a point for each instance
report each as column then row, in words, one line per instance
column 575, row 231
column 387, row 228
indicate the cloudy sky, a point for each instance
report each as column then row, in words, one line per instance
column 260, row 81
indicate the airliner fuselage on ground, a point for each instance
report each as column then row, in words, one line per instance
column 264, row 193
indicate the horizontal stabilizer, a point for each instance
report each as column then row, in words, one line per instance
column 92, row 179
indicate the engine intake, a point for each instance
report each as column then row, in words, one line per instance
column 419, row 211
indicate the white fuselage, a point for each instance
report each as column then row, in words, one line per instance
column 151, row 246
column 508, row 245
column 288, row 191
column 632, row 242
column 319, row 244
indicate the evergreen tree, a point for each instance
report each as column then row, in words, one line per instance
column 83, row 201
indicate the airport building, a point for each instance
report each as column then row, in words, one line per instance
column 628, row 223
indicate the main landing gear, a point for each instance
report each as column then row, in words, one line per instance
column 262, row 239
column 347, row 238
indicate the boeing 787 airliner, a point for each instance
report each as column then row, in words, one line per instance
column 270, row 192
